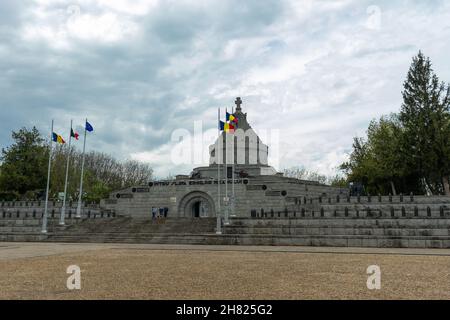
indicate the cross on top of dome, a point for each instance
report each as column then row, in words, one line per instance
column 238, row 103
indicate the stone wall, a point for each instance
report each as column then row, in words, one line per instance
column 265, row 191
column 35, row 209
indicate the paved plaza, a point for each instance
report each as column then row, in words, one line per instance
column 141, row 271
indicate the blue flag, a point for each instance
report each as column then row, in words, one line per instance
column 221, row 125
column 89, row 127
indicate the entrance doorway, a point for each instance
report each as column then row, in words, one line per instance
column 197, row 204
column 200, row 209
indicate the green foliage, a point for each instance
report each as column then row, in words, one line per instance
column 97, row 189
column 9, row 196
column 303, row 174
column 408, row 152
column 378, row 162
column 426, row 120
column 338, row 181
column 102, row 175
column 23, row 170
column 24, row 163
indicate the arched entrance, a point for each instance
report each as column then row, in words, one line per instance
column 200, row 209
column 197, row 204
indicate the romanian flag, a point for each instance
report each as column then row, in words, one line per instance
column 57, row 138
column 225, row 126
column 231, row 118
column 229, row 127
column 74, row 134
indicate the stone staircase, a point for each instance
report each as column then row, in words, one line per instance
column 135, row 230
column 422, row 231
column 345, row 232
column 29, row 229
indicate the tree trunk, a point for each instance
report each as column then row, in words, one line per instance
column 446, row 184
column 427, row 187
column 394, row 192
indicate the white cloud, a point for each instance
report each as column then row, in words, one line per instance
column 60, row 26
column 318, row 71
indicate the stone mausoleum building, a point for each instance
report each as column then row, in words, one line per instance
column 268, row 209
column 243, row 157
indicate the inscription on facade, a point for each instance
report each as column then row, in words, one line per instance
column 124, row 196
column 195, row 182
column 273, row 193
column 254, row 187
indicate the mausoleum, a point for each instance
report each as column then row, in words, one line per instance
column 239, row 163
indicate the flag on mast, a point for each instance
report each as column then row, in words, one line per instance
column 44, row 218
column 235, row 120
column 219, row 137
column 231, row 117
column 87, row 128
column 225, row 126
column 57, row 138
column 73, row 134
column 227, row 129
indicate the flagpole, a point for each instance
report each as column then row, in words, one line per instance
column 226, row 222
column 219, row 226
column 44, row 218
column 82, row 173
column 234, row 157
column 63, row 209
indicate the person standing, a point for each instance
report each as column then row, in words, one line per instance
column 161, row 215
column 153, row 214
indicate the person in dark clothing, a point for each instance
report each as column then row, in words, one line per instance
column 166, row 211
column 153, row 213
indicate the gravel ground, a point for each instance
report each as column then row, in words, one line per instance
column 195, row 274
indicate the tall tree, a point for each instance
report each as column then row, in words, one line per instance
column 24, row 163
column 425, row 118
column 409, row 151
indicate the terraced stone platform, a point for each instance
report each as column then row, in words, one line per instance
column 133, row 230
column 418, row 222
column 346, row 232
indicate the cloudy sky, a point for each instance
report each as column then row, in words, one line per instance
column 316, row 72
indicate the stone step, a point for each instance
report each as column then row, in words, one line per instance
column 343, row 222
column 23, row 237
column 388, row 231
column 236, row 239
column 421, row 233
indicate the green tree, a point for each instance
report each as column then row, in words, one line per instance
column 24, row 163
column 103, row 174
column 409, row 151
column 386, row 156
column 425, row 118
column 359, row 166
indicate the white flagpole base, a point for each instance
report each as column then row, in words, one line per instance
column 78, row 214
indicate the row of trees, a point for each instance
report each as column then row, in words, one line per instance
column 408, row 151
column 24, row 164
column 304, row 174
